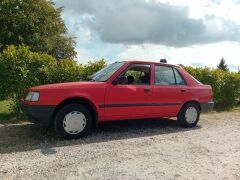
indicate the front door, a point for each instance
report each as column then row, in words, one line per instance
column 133, row 99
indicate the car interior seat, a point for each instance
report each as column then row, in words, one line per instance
column 145, row 79
column 130, row 79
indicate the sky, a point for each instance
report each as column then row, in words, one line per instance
column 188, row 32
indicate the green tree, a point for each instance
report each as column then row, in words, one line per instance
column 37, row 24
column 222, row 65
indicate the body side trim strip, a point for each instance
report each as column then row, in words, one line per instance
column 139, row 104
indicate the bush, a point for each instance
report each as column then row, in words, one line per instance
column 66, row 71
column 21, row 68
column 226, row 85
column 92, row 67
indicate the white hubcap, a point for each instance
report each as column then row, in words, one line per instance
column 74, row 122
column 191, row 115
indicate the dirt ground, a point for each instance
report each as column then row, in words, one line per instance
column 145, row 149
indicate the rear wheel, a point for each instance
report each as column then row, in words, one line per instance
column 189, row 115
column 73, row 121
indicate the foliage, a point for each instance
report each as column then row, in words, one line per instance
column 21, row 68
column 92, row 67
column 37, row 24
column 66, row 71
column 225, row 84
column 222, row 65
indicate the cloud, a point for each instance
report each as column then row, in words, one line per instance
column 140, row 21
column 203, row 55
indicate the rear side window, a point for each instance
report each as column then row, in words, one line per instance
column 179, row 79
column 164, row 75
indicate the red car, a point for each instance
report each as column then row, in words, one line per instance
column 122, row 90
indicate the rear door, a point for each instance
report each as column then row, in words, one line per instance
column 169, row 91
column 131, row 100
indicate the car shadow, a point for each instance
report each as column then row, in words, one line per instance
column 26, row 137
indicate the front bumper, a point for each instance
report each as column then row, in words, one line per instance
column 207, row 107
column 38, row 114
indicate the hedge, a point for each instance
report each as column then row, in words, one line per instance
column 225, row 84
column 20, row 68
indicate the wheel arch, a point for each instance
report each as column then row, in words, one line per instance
column 191, row 101
column 78, row 100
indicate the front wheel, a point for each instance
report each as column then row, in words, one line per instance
column 189, row 115
column 73, row 121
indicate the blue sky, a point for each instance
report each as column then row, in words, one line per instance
column 190, row 32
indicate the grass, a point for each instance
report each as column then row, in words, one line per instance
column 6, row 117
column 5, row 113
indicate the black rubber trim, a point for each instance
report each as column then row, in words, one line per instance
column 138, row 104
column 206, row 106
column 38, row 114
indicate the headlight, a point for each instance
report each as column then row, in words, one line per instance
column 32, row 96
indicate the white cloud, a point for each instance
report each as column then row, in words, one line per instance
column 205, row 55
column 190, row 32
column 140, row 21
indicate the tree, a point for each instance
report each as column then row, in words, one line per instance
column 222, row 65
column 37, row 24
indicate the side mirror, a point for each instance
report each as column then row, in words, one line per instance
column 120, row 80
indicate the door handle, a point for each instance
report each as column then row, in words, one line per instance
column 146, row 90
column 183, row 90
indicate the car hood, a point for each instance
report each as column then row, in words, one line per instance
column 68, row 85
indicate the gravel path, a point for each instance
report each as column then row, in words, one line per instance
column 146, row 149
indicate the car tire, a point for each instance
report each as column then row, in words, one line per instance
column 73, row 121
column 189, row 115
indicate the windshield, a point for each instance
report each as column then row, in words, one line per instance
column 107, row 72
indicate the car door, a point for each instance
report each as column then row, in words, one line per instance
column 131, row 100
column 168, row 92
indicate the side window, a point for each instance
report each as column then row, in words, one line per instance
column 179, row 79
column 164, row 75
column 138, row 74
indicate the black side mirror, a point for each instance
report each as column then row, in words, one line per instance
column 121, row 80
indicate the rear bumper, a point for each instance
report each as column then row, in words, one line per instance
column 207, row 107
column 38, row 114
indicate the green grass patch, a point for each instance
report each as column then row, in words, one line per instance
column 6, row 117
column 5, row 113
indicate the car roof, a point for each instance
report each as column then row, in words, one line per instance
column 152, row 62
